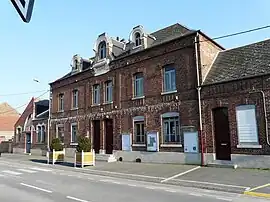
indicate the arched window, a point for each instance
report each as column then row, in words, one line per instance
column 138, row 39
column 102, row 50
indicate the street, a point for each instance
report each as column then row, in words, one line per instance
column 43, row 183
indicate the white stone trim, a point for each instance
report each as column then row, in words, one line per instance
column 249, row 146
column 171, row 145
column 73, row 124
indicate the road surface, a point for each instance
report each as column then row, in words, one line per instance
column 42, row 183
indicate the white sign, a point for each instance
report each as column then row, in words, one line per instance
column 24, row 8
column 126, row 143
column 191, row 142
column 152, row 141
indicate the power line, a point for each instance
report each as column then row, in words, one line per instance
column 25, row 93
column 237, row 33
column 23, row 104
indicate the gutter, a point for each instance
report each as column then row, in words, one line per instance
column 199, row 100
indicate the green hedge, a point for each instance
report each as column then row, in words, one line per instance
column 84, row 144
column 56, row 145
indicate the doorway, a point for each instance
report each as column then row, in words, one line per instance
column 222, row 133
column 28, row 143
column 96, row 136
column 109, row 136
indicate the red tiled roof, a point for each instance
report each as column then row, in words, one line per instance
column 7, row 123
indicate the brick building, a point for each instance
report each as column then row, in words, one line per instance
column 146, row 85
column 236, row 101
column 31, row 128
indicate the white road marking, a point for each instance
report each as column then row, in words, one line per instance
column 2, row 175
column 132, row 185
column 40, row 169
column 224, row 199
column 11, row 172
column 76, row 199
column 172, row 191
column 27, row 171
column 150, row 187
column 212, row 183
column 116, row 182
column 195, row 194
column 34, row 187
column 180, row 174
column 89, row 178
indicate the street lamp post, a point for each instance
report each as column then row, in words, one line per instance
column 49, row 118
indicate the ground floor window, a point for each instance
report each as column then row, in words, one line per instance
column 60, row 133
column 74, row 132
column 139, row 134
column 41, row 134
column 171, row 128
column 247, row 124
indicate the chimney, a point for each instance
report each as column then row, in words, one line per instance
column 117, row 38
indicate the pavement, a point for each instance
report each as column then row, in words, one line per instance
column 238, row 181
column 44, row 183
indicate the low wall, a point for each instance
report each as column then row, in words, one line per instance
column 251, row 161
column 6, row 147
column 18, row 150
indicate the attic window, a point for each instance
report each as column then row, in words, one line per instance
column 102, row 50
column 138, row 39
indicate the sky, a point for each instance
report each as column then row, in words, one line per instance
column 43, row 48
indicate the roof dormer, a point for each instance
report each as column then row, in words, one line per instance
column 76, row 63
column 138, row 37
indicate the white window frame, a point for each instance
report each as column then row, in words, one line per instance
column 102, row 50
column 138, row 40
column 138, row 120
column 254, row 142
column 165, row 118
column 96, row 94
column 71, row 133
column 170, row 74
column 138, row 79
column 40, row 132
column 108, row 91
column 75, row 100
column 61, row 102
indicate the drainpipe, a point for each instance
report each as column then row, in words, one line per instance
column 265, row 115
column 199, row 100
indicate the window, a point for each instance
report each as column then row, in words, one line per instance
column 102, row 50
column 137, row 39
column 171, row 129
column 246, row 124
column 96, row 94
column 138, row 85
column 60, row 133
column 139, row 134
column 41, row 135
column 169, row 79
column 108, row 91
column 19, row 134
column 61, row 102
column 74, row 132
column 75, row 99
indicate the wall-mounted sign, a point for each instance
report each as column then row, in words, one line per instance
column 152, row 141
column 126, row 142
column 24, row 8
column 191, row 142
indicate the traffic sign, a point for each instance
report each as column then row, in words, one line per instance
column 24, row 8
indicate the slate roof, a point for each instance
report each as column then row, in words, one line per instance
column 241, row 62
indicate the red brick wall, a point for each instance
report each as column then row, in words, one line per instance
column 230, row 95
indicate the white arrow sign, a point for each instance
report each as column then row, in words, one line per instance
column 24, row 8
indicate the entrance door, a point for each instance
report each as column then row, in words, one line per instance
column 96, row 130
column 28, row 143
column 222, row 134
column 109, row 136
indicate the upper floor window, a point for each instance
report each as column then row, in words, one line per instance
column 75, row 95
column 169, row 79
column 96, row 94
column 138, row 85
column 171, row 128
column 138, row 39
column 108, row 91
column 102, row 50
column 61, row 102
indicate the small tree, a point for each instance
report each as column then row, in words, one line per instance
column 84, row 144
column 56, row 145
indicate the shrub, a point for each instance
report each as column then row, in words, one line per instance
column 56, row 145
column 84, row 144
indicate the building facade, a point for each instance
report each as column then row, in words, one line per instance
column 236, row 101
column 146, row 85
column 31, row 128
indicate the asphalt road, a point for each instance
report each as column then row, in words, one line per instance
column 31, row 182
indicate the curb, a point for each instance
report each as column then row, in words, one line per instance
column 257, row 194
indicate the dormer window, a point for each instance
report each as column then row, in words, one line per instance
column 138, row 39
column 102, row 50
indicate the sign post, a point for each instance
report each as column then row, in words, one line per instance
column 24, row 8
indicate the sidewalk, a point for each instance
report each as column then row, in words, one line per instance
column 222, row 179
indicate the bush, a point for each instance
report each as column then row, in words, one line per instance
column 56, row 145
column 84, row 144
